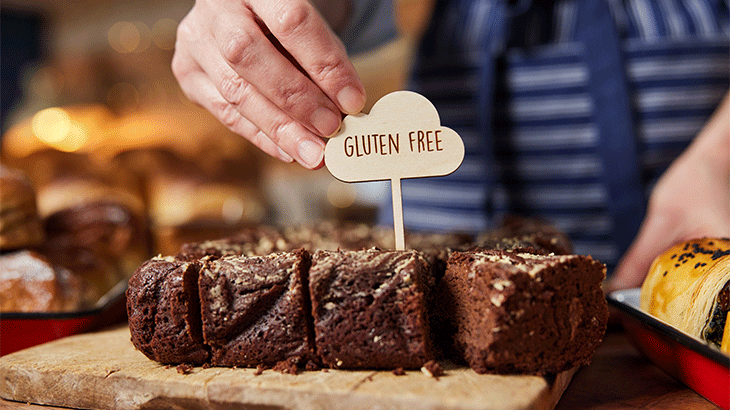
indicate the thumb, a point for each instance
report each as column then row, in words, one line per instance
column 655, row 235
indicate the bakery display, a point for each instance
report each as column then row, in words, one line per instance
column 30, row 283
column 103, row 242
column 263, row 303
column 524, row 313
column 164, row 311
column 20, row 225
column 369, row 309
column 255, row 310
column 688, row 287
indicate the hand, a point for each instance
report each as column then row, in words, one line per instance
column 269, row 70
column 691, row 200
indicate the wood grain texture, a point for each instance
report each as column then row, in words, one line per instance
column 104, row 371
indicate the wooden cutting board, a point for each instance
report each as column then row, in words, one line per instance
column 104, row 371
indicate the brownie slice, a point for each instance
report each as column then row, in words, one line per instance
column 369, row 309
column 164, row 311
column 255, row 309
column 255, row 241
column 525, row 313
column 525, row 235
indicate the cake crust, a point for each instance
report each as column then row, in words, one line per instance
column 369, row 309
column 525, row 313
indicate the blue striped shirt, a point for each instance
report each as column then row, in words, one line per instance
column 545, row 153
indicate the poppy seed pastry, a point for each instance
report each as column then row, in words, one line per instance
column 688, row 286
column 164, row 311
column 369, row 309
column 524, row 313
column 255, row 310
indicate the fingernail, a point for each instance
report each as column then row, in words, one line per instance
column 284, row 156
column 325, row 121
column 351, row 99
column 310, row 153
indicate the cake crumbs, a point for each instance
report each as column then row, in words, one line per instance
column 259, row 370
column 288, row 366
column 184, row 368
column 311, row 366
column 432, row 369
column 398, row 371
column 206, row 365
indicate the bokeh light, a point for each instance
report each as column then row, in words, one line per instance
column 164, row 33
column 51, row 125
column 341, row 195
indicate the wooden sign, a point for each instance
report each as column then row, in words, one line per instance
column 402, row 137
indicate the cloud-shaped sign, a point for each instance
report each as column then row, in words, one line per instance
column 402, row 137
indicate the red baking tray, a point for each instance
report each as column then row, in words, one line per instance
column 703, row 368
column 21, row 330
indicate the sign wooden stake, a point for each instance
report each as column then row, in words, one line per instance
column 402, row 137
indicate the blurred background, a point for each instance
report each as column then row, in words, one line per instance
column 91, row 111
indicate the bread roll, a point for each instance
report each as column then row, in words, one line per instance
column 688, row 287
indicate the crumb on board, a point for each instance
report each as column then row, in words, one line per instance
column 432, row 369
column 398, row 371
column 184, row 368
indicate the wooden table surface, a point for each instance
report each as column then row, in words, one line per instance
column 618, row 377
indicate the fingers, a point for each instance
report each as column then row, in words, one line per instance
column 200, row 89
column 304, row 34
column 249, row 53
column 654, row 237
column 244, row 98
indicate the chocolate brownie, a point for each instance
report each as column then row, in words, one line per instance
column 369, row 309
column 524, row 313
column 255, row 310
column 255, row 241
column 164, row 311
column 525, row 235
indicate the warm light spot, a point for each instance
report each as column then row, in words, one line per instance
column 124, row 37
column 76, row 138
column 51, row 125
column 232, row 210
column 145, row 37
column 340, row 195
column 164, row 33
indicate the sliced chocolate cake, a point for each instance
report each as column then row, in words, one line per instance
column 369, row 309
column 524, row 313
column 164, row 312
column 259, row 241
column 255, row 309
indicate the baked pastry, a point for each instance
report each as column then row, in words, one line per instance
column 369, row 309
column 255, row 310
column 164, row 311
column 524, row 313
column 261, row 240
column 30, row 283
column 103, row 242
column 20, row 226
column 688, row 286
column 522, row 234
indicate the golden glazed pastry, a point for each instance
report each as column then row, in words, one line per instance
column 688, row 286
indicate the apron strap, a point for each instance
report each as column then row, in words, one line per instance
column 612, row 112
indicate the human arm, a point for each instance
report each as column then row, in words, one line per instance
column 690, row 200
column 272, row 71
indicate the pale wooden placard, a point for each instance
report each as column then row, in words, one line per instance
column 402, row 137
